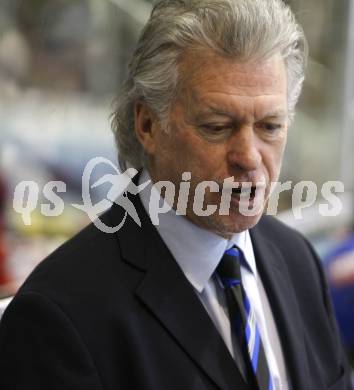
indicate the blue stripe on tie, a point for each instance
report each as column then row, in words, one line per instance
column 270, row 383
column 248, row 332
column 247, row 304
column 256, row 351
column 233, row 252
column 239, row 256
column 228, row 282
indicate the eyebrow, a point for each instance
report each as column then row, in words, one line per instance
column 216, row 111
column 276, row 114
column 209, row 109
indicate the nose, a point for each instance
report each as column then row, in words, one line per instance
column 243, row 150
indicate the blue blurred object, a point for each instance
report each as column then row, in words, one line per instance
column 340, row 269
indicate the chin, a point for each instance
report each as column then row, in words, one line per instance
column 226, row 226
column 237, row 225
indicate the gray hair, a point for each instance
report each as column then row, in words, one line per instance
column 238, row 29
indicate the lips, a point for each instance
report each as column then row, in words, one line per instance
column 248, row 196
column 248, row 191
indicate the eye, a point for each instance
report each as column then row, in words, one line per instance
column 215, row 132
column 216, row 128
column 270, row 126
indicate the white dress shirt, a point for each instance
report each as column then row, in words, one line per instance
column 198, row 252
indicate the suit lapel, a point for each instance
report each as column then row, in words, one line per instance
column 287, row 316
column 172, row 300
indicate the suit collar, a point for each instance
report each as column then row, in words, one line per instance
column 172, row 299
column 278, row 285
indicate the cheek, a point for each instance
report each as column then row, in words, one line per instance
column 177, row 154
column 272, row 160
column 207, row 161
column 193, row 154
column 189, row 149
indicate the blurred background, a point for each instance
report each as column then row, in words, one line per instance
column 61, row 65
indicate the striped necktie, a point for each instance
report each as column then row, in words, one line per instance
column 243, row 322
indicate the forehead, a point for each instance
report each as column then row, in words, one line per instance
column 208, row 72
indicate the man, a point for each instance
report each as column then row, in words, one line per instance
column 201, row 300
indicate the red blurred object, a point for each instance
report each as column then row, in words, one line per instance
column 3, row 276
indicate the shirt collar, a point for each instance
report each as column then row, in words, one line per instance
column 243, row 241
column 197, row 251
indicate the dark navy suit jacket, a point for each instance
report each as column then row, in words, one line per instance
column 115, row 312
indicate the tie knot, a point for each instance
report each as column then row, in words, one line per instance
column 229, row 268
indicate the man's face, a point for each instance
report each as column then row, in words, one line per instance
column 229, row 120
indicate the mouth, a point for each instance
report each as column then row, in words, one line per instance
column 247, row 196
column 243, row 191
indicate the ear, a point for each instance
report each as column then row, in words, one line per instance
column 146, row 126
